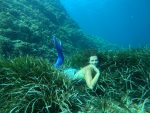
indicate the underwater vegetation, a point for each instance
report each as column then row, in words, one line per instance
column 30, row 84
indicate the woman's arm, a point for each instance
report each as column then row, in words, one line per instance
column 91, row 82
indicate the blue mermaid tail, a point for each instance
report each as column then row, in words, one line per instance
column 60, row 57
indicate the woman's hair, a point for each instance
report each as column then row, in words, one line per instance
column 82, row 58
column 89, row 53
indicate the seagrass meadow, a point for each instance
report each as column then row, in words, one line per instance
column 29, row 83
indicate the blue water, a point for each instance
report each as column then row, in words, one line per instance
column 121, row 22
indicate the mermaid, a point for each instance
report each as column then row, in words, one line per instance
column 90, row 73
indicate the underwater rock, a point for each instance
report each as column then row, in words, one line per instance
column 33, row 21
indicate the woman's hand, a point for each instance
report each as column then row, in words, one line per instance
column 95, row 69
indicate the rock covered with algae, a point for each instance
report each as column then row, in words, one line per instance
column 32, row 23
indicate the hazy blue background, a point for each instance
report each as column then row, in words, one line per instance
column 122, row 22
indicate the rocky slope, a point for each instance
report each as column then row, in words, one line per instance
column 27, row 26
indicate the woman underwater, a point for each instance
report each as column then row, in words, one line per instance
column 86, row 73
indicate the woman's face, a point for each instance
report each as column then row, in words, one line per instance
column 94, row 60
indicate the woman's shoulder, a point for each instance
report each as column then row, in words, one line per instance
column 85, row 69
column 88, row 67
